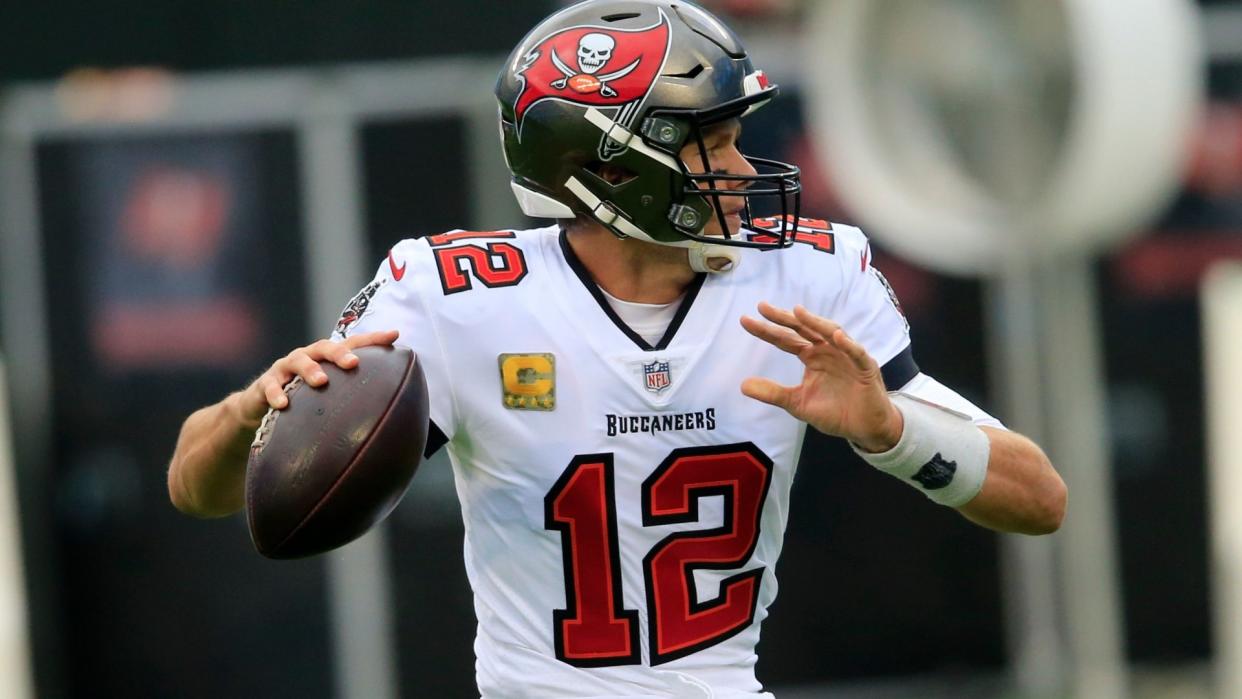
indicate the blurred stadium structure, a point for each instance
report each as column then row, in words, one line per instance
column 163, row 235
column 1019, row 156
column 1222, row 309
column 14, row 638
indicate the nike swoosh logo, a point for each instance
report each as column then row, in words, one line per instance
column 397, row 272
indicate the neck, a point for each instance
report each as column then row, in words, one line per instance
column 631, row 270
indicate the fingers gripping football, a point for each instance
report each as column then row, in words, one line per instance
column 842, row 390
column 268, row 390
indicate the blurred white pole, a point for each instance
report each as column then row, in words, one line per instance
column 1222, row 338
column 360, row 596
column 1079, row 442
column 1032, row 631
column 15, row 668
column 1067, row 639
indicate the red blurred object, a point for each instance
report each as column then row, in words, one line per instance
column 1172, row 265
column 147, row 335
column 176, row 216
column 1215, row 167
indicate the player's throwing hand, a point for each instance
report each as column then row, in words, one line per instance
column 842, row 391
column 268, row 390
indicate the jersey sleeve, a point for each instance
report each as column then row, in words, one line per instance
column 868, row 310
column 393, row 300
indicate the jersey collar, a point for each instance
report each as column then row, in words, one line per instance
column 580, row 270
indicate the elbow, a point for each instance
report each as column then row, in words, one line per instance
column 1052, row 506
column 1047, row 496
column 177, row 493
column 1048, row 503
column 183, row 498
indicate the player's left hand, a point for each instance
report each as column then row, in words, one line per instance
column 842, row 391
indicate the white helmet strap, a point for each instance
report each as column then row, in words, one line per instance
column 714, row 259
column 704, row 257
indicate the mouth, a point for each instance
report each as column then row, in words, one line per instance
column 731, row 224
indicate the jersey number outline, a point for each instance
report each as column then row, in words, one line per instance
column 594, row 629
column 495, row 264
column 815, row 232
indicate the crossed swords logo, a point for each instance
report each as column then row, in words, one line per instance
column 604, row 89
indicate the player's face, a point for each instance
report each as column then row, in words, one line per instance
column 723, row 157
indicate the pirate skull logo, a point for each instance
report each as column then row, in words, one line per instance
column 595, row 50
column 592, row 65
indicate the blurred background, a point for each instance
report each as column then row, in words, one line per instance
column 189, row 189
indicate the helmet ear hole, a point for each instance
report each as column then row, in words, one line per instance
column 611, row 173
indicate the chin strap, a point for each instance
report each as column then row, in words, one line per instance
column 704, row 257
column 713, row 259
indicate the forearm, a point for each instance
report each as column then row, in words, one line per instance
column 206, row 477
column 1022, row 493
column 995, row 478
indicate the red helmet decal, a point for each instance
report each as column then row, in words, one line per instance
column 598, row 66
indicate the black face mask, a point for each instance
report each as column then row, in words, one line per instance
column 772, row 195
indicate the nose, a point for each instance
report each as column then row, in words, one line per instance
column 737, row 164
column 732, row 162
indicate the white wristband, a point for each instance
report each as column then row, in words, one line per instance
column 941, row 452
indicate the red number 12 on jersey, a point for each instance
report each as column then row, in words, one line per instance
column 595, row 629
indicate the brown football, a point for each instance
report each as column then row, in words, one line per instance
column 337, row 459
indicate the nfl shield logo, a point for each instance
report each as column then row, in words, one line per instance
column 657, row 376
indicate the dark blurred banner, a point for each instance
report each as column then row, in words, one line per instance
column 170, row 238
column 174, row 271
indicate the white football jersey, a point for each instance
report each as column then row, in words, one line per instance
column 624, row 504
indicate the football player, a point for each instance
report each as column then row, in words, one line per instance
column 624, row 394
